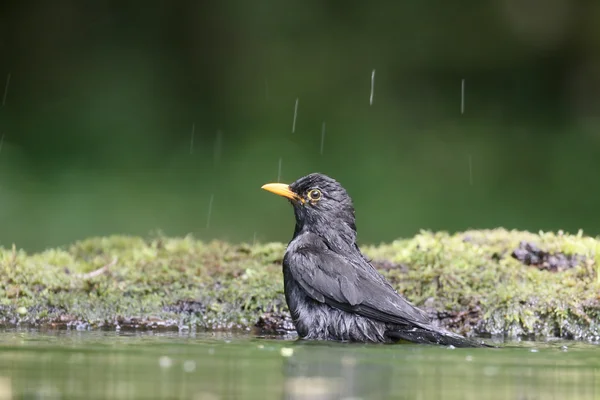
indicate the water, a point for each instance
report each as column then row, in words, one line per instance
column 146, row 365
column 372, row 88
column 295, row 116
column 210, row 204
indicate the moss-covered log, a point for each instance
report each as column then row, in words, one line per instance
column 475, row 282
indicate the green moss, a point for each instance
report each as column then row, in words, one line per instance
column 469, row 280
column 473, row 276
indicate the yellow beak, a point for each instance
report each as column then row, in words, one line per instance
column 281, row 189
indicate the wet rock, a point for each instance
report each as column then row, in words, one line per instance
column 78, row 325
column 275, row 323
column 530, row 254
column 186, row 307
column 464, row 321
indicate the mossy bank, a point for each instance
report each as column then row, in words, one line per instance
column 477, row 282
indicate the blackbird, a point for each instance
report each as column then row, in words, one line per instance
column 331, row 289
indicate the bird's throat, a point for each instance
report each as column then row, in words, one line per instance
column 338, row 235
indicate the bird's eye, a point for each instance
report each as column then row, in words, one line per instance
column 314, row 194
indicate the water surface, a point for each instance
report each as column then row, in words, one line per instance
column 65, row 364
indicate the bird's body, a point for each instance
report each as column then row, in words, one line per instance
column 332, row 290
column 315, row 319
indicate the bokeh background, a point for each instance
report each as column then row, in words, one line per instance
column 121, row 118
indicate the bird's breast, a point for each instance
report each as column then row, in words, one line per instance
column 320, row 321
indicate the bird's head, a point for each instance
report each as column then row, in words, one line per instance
column 321, row 205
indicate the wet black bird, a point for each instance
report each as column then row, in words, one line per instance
column 332, row 290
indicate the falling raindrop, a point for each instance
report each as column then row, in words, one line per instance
column 210, row 204
column 295, row 115
column 372, row 87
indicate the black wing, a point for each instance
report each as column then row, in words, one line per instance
column 351, row 285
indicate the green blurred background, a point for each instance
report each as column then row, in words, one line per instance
column 104, row 97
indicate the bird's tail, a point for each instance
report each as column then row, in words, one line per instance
column 440, row 337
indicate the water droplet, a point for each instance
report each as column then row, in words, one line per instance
column 210, row 203
column 189, row 366
column 286, row 351
column 372, row 88
column 295, row 115
column 165, row 362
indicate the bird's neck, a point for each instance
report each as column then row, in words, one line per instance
column 339, row 235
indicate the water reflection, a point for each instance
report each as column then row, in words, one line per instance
column 343, row 372
column 190, row 365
